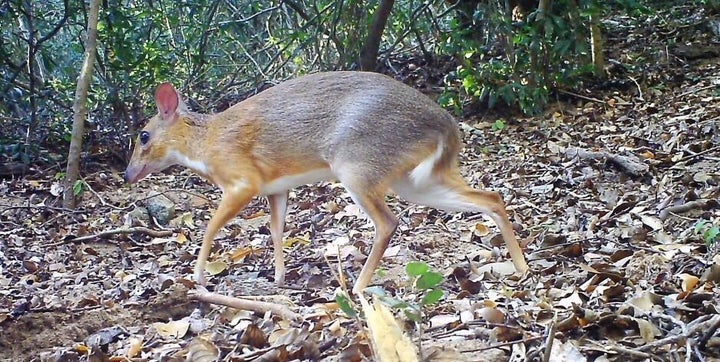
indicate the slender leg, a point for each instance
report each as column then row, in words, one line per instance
column 450, row 192
column 385, row 224
column 230, row 206
column 496, row 210
column 278, row 209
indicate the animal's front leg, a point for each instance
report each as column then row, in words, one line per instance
column 230, row 205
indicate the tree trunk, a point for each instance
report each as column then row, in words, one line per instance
column 80, row 106
column 542, row 55
column 544, row 8
column 369, row 51
column 596, row 46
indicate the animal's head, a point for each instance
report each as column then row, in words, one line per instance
column 164, row 138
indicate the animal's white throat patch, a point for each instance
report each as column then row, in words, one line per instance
column 197, row 166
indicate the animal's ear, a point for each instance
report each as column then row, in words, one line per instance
column 167, row 100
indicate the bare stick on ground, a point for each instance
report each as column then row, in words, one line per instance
column 137, row 229
column 245, row 304
column 631, row 165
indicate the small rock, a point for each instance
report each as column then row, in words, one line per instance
column 161, row 208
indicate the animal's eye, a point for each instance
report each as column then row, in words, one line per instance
column 144, row 137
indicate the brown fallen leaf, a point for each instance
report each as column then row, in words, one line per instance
column 481, row 229
column 491, row 314
column 241, row 253
column 172, row 329
column 566, row 351
column 136, row 344
column 290, row 242
column 647, row 330
column 441, row 354
column 689, row 281
column 253, row 336
column 202, row 350
column 216, row 267
column 181, row 238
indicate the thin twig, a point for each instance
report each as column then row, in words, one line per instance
column 102, row 201
column 254, row 354
column 550, row 339
column 711, row 149
column 697, row 90
column 124, row 230
column 508, row 343
column 43, row 207
column 582, row 96
column 701, row 204
column 632, row 352
column 638, row 87
column 702, row 343
column 678, row 337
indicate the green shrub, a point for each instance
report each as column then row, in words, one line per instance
column 519, row 63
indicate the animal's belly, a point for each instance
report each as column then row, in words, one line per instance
column 284, row 183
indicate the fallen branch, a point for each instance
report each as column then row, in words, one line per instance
column 709, row 333
column 549, row 340
column 700, row 327
column 244, row 304
column 701, row 204
column 629, row 351
column 136, row 229
column 692, row 91
column 629, row 164
column 582, row 96
column 698, row 154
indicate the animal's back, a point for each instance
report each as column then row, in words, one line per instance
column 358, row 116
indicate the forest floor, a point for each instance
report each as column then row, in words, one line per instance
column 613, row 191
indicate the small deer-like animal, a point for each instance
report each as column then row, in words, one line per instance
column 366, row 130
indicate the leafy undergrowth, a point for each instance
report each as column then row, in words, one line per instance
column 614, row 194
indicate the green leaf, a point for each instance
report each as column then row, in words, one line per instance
column 429, row 280
column 432, row 297
column 344, row 302
column 446, row 99
column 394, row 303
column 499, row 125
column 712, row 234
column 415, row 317
column 470, row 84
column 78, row 187
column 416, row 268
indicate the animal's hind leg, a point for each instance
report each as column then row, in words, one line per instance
column 278, row 210
column 370, row 196
column 448, row 191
